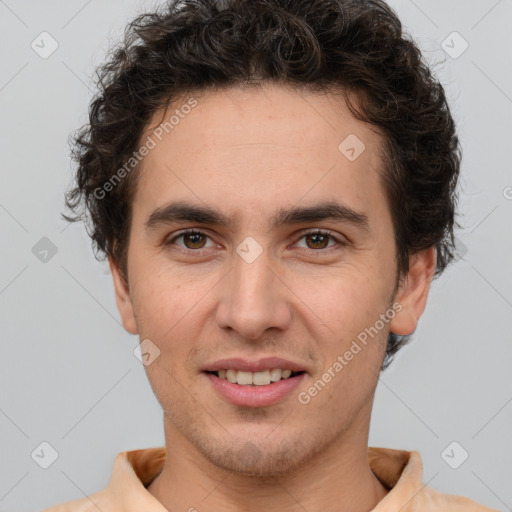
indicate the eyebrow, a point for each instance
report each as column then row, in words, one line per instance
column 182, row 211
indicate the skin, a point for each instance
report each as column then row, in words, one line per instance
column 249, row 153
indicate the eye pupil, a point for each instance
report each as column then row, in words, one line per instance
column 319, row 238
column 195, row 238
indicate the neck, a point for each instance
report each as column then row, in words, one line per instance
column 339, row 478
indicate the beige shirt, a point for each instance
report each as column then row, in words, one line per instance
column 398, row 470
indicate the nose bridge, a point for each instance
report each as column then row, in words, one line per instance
column 252, row 279
column 254, row 299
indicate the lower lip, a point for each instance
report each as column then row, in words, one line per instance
column 255, row 396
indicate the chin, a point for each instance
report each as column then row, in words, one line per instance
column 259, row 458
column 252, row 462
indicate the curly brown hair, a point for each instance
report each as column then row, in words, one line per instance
column 356, row 46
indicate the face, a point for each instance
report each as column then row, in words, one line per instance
column 259, row 243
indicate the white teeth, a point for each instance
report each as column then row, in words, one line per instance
column 275, row 374
column 261, row 378
column 244, row 378
column 257, row 378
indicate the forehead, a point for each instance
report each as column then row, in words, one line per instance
column 242, row 117
column 260, row 147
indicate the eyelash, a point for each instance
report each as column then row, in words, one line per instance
column 304, row 234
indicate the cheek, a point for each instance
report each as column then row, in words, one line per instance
column 344, row 300
column 172, row 308
column 162, row 306
column 342, row 312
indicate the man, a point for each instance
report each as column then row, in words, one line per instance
column 273, row 183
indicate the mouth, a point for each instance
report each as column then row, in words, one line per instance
column 261, row 378
column 260, row 383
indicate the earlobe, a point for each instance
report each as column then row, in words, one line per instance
column 413, row 292
column 123, row 299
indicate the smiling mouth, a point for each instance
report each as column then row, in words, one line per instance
column 263, row 378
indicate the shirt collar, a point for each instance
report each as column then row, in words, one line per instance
column 398, row 470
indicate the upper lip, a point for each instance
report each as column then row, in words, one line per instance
column 256, row 365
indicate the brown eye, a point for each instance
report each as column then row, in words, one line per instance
column 193, row 240
column 318, row 240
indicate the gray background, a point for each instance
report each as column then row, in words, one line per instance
column 67, row 369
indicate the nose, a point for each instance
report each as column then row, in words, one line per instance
column 254, row 298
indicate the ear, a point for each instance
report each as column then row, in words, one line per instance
column 123, row 299
column 413, row 291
